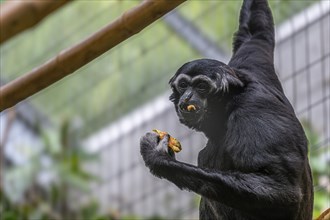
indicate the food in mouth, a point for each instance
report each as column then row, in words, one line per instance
column 191, row 108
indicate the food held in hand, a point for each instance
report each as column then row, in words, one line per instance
column 173, row 143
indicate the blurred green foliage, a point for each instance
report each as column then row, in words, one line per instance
column 66, row 181
column 60, row 165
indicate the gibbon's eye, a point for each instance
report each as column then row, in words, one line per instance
column 203, row 87
column 182, row 85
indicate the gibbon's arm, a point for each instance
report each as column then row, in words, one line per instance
column 250, row 192
column 256, row 30
column 253, row 46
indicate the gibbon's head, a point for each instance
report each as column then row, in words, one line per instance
column 197, row 86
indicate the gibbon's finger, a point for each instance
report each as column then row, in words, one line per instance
column 163, row 144
column 152, row 138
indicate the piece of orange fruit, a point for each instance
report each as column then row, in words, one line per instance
column 173, row 143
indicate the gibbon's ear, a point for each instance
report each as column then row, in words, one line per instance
column 228, row 78
column 233, row 78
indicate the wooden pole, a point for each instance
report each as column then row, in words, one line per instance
column 68, row 61
column 19, row 15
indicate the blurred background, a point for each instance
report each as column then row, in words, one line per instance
column 72, row 150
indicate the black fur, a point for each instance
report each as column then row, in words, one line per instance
column 255, row 163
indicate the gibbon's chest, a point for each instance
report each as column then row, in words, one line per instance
column 215, row 157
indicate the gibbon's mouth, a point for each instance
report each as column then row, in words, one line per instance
column 191, row 113
column 189, row 108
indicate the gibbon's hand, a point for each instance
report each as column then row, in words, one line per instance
column 155, row 151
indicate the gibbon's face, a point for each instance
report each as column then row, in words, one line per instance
column 195, row 85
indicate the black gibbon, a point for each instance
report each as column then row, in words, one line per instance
column 255, row 163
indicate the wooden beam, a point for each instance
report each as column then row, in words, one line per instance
column 19, row 15
column 68, row 61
